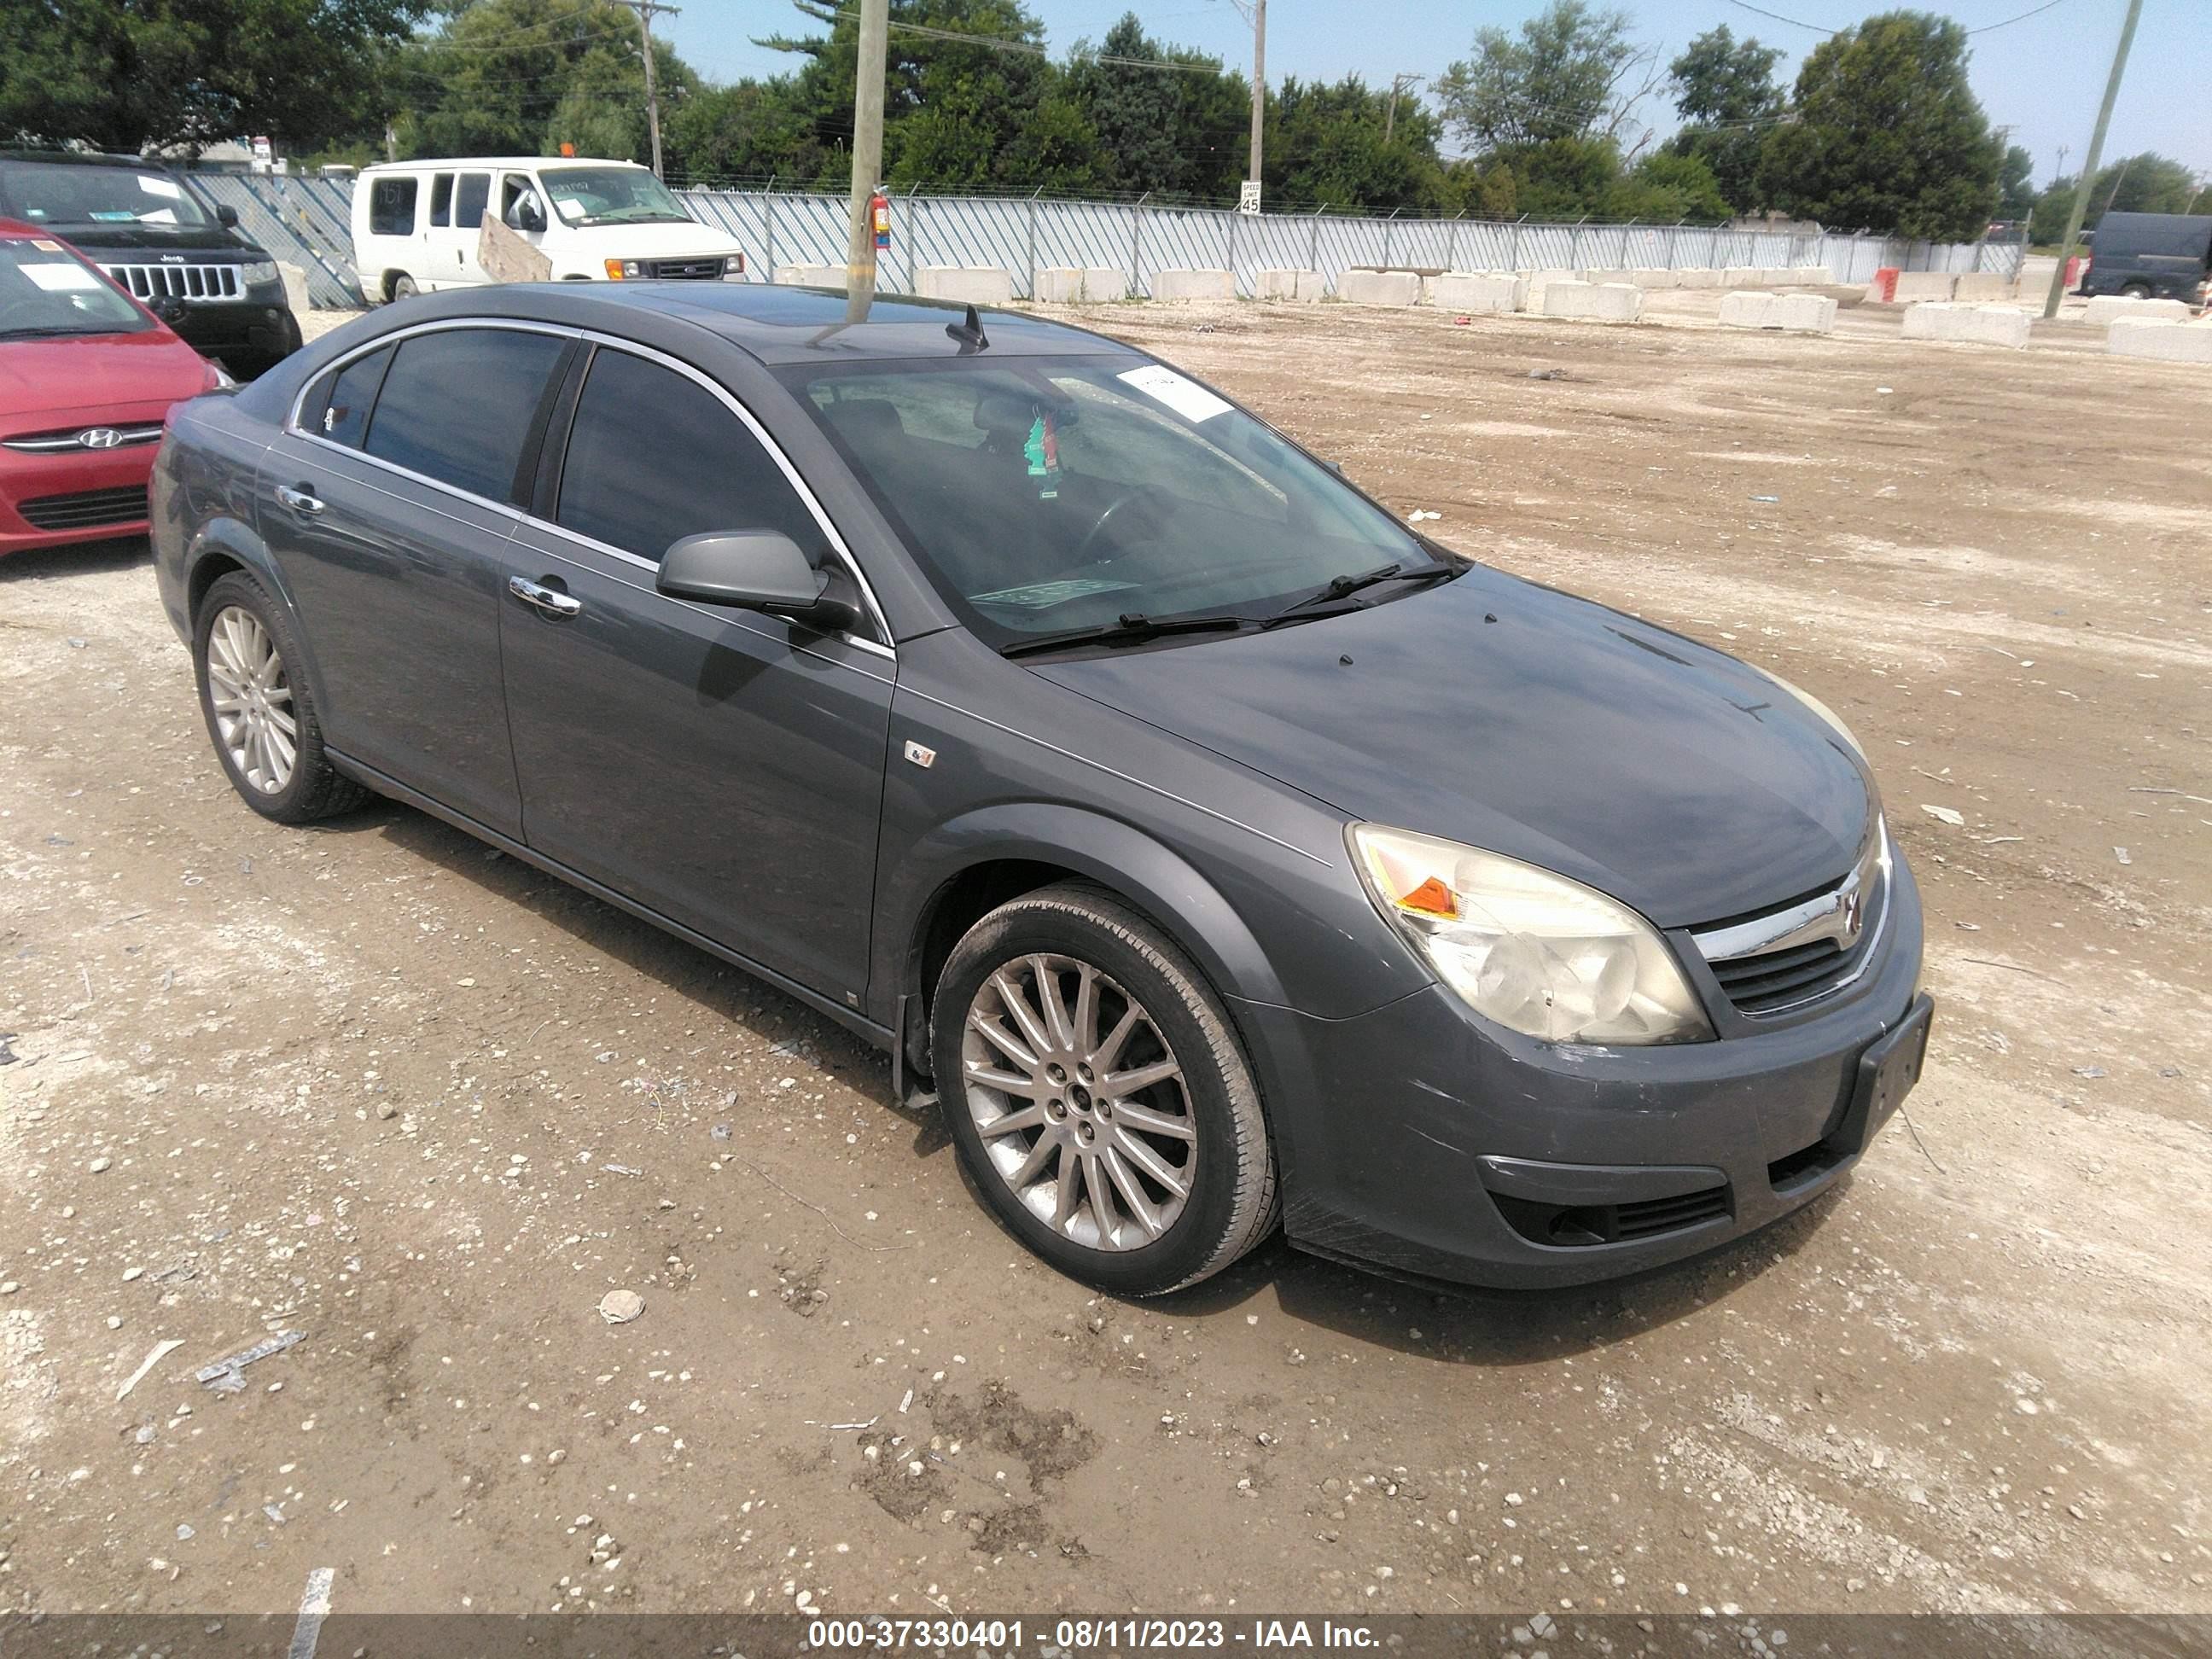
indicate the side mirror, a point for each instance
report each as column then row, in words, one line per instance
column 225, row 215
column 753, row 570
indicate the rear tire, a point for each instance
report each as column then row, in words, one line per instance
column 260, row 711
column 2138, row 291
column 402, row 288
column 1098, row 1099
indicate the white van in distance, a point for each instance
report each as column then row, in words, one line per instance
column 415, row 224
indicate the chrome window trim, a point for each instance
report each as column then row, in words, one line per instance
column 293, row 428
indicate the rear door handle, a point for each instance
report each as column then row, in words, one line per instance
column 550, row 601
column 298, row 500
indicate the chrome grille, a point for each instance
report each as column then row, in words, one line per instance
column 47, row 443
column 216, row 282
column 687, row 270
column 1772, row 963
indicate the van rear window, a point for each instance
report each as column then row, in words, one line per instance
column 391, row 207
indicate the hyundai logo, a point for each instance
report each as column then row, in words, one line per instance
column 99, row 437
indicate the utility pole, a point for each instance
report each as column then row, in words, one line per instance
column 2088, row 179
column 1398, row 83
column 645, row 10
column 867, row 159
column 1259, row 84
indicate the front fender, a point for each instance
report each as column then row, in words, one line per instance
column 1116, row 854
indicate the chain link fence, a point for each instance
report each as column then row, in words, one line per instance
column 305, row 221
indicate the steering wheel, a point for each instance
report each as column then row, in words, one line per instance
column 1090, row 537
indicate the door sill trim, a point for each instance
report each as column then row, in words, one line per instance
column 881, row 1036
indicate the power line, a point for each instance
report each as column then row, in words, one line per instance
column 1794, row 23
column 1799, row 23
column 1031, row 49
column 2022, row 18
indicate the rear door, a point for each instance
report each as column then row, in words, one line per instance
column 721, row 767
column 455, row 221
column 387, row 506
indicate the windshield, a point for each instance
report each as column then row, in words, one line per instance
column 45, row 290
column 1048, row 495
column 611, row 196
column 59, row 193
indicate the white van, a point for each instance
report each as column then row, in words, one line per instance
column 415, row 224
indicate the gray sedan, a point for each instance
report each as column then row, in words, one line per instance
column 1219, row 852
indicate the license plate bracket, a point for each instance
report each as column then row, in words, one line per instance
column 1887, row 1071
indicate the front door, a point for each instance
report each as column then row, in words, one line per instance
column 388, row 513
column 721, row 766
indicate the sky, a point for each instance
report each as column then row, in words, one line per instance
column 2043, row 77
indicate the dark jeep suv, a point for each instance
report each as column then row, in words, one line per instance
column 151, row 231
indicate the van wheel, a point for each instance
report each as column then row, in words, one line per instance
column 2138, row 291
column 1098, row 1096
column 402, row 287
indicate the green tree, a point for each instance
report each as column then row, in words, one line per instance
column 1887, row 135
column 1668, row 188
column 749, row 130
column 2016, row 184
column 1174, row 132
column 2150, row 183
column 1561, row 77
column 129, row 75
column 1725, row 90
column 1326, row 147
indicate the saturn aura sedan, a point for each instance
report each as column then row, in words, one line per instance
column 1218, row 851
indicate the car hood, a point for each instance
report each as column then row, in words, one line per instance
column 1513, row 717
column 94, row 374
column 653, row 241
column 99, row 241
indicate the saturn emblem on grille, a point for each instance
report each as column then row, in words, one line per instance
column 1854, row 914
column 99, row 437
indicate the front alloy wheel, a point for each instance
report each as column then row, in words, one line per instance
column 252, row 697
column 1080, row 1101
column 1098, row 1096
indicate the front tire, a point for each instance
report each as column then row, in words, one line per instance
column 260, row 711
column 1098, row 1099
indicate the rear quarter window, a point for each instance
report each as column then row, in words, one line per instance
column 391, row 207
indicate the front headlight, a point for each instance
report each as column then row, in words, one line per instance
column 734, row 265
column 255, row 272
column 1834, row 720
column 620, row 271
column 1534, row 951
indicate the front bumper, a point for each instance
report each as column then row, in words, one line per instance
column 99, row 478
column 247, row 338
column 1420, row 1141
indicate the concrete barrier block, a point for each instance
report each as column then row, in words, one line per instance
column 1748, row 310
column 295, row 287
column 978, row 285
column 1813, row 277
column 1914, row 286
column 2113, row 307
column 1698, row 277
column 1488, row 292
column 1981, row 285
column 1606, row 276
column 1291, row 284
column 811, row 275
column 1604, row 302
column 2161, row 338
column 1942, row 319
column 1104, row 284
column 1181, row 285
column 1379, row 288
column 1804, row 313
column 1060, row 285
column 1538, row 281
column 1651, row 277
column 1740, row 277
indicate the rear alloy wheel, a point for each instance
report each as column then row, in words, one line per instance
column 259, row 713
column 1098, row 1096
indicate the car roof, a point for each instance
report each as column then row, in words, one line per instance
column 90, row 158
column 778, row 324
column 451, row 163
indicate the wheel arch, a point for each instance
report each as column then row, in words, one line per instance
column 974, row 863
column 224, row 545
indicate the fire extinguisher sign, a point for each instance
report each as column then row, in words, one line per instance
column 880, row 216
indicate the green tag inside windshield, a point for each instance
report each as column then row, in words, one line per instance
column 1043, row 452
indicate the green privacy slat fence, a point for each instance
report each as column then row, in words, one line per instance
column 304, row 220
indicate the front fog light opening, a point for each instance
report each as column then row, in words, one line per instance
column 1531, row 951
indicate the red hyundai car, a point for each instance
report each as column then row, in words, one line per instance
column 86, row 377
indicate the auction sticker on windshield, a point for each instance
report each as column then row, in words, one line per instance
column 60, row 278
column 1187, row 398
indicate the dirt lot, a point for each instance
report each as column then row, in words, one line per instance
column 377, row 1084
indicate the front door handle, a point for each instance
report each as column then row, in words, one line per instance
column 550, row 601
column 298, row 500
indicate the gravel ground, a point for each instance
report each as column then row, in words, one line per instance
column 377, row 1084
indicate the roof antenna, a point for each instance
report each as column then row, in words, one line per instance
column 969, row 331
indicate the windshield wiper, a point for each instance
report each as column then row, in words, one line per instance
column 34, row 333
column 1132, row 625
column 1345, row 586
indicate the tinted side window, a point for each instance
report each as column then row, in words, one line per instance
column 654, row 457
column 391, row 207
column 339, row 408
column 469, row 200
column 457, row 405
column 442, row 199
